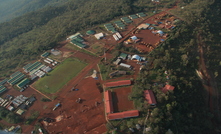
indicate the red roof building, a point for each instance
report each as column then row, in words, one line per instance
column 121, row 115
column 132, row 113
column 108, row 102
column 149, row 96
column 167, row 88
column 115, row 116
column 118, row 83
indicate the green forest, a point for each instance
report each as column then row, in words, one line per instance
column 24, row 38
column 189, row 108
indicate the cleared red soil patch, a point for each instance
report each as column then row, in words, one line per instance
column 120, row 99
column 148, row 37
column 79, row 117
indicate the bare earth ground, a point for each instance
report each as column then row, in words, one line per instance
column 79, row 117
column 84, row 117
column 120, row 99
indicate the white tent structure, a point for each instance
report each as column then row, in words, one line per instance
column 160, row 32
column 136, row 57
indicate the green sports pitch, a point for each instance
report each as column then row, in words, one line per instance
column 58, row 77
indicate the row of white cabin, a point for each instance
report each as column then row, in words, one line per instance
column 50, row 61
column 5, row 103
column 40, row 72
column 43, row 69
column 125, row 65
column 117, row 36
column 17, row 101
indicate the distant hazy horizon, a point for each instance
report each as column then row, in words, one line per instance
column 10, row 9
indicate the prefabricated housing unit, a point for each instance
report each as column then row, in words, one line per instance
column 126, row 65
column 115, row 37
column 118, row 35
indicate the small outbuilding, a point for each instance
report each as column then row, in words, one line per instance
column 149, row 97
column 118, row 61
column 167, row 88
column 90, row 32
column 99, row 36
column 20, row 112
column 45, row 54
column 134, row 38
column 143, row 26
column 123, row 56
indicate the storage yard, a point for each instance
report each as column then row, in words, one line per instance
column 82, row 106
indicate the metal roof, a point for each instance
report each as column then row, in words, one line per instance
column 137, row 57
column 3, row 81
column 126, row 114
column 149, row 96
column 167, row 88
column 23, row 83
column 118, row 83
column 108, row 102
column 90, row 32
column 45, row 54
column 133, row 16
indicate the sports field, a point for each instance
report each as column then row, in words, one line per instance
column 58, row 77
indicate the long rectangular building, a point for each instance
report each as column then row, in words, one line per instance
column 23, row 83
column 15, row 77
column 121, row 115
column 108, row 102
column 118, row 83
column 14, row 74
column 3, row 81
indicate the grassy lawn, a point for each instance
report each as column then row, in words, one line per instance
column 58, row 77
column 104, row 71
column 97, row 48
column 73, row 47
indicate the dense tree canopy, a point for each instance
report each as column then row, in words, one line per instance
column 23, row 38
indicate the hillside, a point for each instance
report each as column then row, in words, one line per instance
column 23, row 38
column 10, row 9
column 194, row 105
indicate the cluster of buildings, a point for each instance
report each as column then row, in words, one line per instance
column 122, row 23
column 124, row 56
column 13, row 129
column 110, row 111
column 18, row 104
column 77, row 40
column 148, row 95
column 109, row 102
column 117, row 36
column 21, row 80
column 38, row 69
